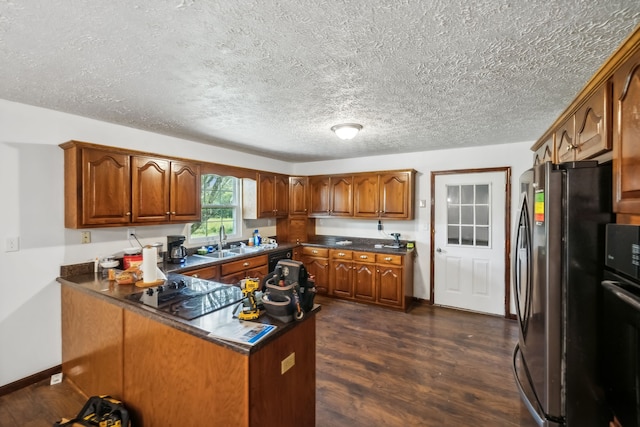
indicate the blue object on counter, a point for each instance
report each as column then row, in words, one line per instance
column 210, row 249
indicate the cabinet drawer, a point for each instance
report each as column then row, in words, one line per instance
column 340, row 254
column 207, row 273
column 389, row 259
column 319, row 252
column 364, row 257
column 243, row 264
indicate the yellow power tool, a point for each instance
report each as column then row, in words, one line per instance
column 250, row 310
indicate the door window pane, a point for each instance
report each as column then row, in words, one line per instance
column 469, row 215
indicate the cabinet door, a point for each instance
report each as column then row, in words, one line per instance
column 206, row 273
column 185, row 192
column 626, row 149
column 298, row 195
column 565, row 137
column 281, row 195
column 364, row 282
column 318, row 267
column 150, row 189
column 593, row 124
column 341, row 195
column 298, row 231
column 106, row 188
column 396, row 195
column 266, row 195
column 366, row 196
column 319, row 196
column 546, row 152
column 341, row 278
column 389, row 281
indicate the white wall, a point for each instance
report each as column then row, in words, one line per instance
column 31, row 172
column 517, row 156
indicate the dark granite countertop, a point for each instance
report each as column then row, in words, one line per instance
column 202, row 327
column 359, row 244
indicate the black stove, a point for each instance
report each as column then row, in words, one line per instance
column 188, row 297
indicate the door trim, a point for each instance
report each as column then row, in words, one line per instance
column 507, row 231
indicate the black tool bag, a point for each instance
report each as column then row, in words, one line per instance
column 100, row 411
column 289, row 282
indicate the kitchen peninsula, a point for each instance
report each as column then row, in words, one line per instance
column 170, row 371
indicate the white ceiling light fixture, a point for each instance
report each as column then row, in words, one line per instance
column 347, row 130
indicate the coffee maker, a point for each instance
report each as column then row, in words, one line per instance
column 176, row 253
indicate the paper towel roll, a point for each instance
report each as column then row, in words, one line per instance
column 149, row 261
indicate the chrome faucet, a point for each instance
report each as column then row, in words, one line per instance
column 396, row 241
column 222, row 237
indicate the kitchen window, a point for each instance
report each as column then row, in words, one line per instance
column 220, row 198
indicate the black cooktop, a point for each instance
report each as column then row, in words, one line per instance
column 187, row 297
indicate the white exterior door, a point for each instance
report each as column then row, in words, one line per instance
column 469, row 241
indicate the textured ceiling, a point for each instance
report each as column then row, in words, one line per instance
column 272, row 77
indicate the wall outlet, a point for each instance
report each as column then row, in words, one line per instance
column 56, row 379
column 131, row 233
column 12, row 244
column 85, row 237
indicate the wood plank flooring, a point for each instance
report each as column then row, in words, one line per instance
column 432, row 366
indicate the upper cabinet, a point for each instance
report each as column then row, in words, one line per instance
column 331, row 195
column 384, row 195
column 565, row 141
column 109, row 187
column 298, row 195
column 626, row 136
column 266, row 198
column 545, row 152
column 593, row 124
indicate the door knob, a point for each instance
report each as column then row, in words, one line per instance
column 439, row 250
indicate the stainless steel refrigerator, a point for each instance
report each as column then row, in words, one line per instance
column 558, row 264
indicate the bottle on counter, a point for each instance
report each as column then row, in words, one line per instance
column 257, row 239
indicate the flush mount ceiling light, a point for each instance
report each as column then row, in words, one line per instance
column 347, row 130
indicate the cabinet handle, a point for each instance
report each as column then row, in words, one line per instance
column 168, row 213
column 363, row 257
column 388, row 258
column 173, row 213
column 341, row 254
column 128, row 214
column 195, row 275
column 314, row 251
column 246, row 264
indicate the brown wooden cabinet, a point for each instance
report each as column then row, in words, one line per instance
column 298, row 195
column 546, row 152
column 341, row 273
column 316, row 261
column 234, row 271
column 381, row 279
column 626, row 148
column 331, row 195
column 111, row 187
column 565, row 141
column 273, row 195
column 384, row 195
column 206, row 273
column 593, row 124
column 364, row 276
column 164, row 191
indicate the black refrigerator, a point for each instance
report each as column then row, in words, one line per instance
column 558, row 265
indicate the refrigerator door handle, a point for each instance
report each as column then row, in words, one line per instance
column 536, row 416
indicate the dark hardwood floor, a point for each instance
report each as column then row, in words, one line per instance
column 432, row 366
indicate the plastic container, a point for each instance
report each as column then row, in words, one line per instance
column 257, row 239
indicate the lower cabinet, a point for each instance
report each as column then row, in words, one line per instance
column 316, row 261
column 381, row 279
column 233, row 272
column 206, row 273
